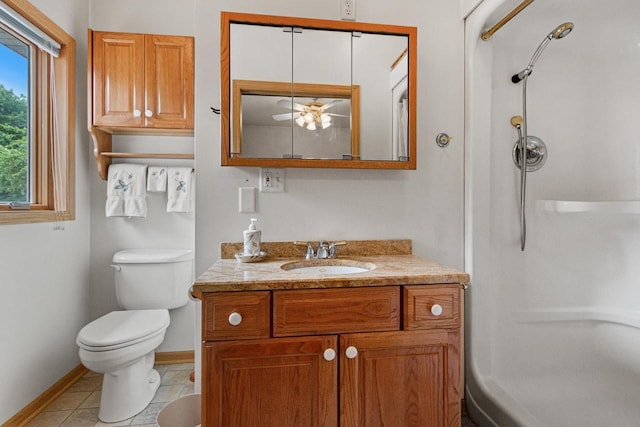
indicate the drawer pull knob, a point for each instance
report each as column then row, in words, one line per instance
column 137, row 113
column 329, row 354
column 436, row 309
column 351, row 352
column 235, row 318
column 148, row 113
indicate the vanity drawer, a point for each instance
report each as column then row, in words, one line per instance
column 236, row 315
column 334, row 311
column 431, row 306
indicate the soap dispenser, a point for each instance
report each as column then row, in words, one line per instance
column 251, row 239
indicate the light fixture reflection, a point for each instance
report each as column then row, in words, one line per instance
column 313, row 116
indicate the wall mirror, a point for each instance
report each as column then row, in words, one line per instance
column 300, row 92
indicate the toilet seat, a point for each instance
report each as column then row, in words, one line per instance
column 122, row 329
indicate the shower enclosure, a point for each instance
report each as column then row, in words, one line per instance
column 553, row 332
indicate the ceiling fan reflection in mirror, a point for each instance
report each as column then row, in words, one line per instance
column 309, row 115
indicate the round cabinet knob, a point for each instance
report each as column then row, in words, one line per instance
column 235, row 319
column 436, row 309
column 351, row 352
column 137, row 113
column 148, row 113
column 329, row 354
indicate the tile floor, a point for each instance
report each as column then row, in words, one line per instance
column 78, row 406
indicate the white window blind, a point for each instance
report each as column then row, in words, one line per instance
column 17, row 23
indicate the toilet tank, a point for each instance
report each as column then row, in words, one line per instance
column 153, row 278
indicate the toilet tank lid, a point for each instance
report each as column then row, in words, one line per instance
column 152, row 255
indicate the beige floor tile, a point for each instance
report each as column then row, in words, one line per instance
column 87, row 383
column 68, row 400
column 82, row 418
column 175, row 377
column 93, row 401
column 181, row 367
column 187, row 389
column 167, row 393
column 118, row 424
column 49, row 419
column 148, row 416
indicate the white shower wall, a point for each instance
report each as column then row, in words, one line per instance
column 544, row 312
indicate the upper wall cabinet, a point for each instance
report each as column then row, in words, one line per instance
column 302, row 92
column 138, row 84
column 142, row 82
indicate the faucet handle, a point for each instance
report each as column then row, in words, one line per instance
column 309, row 254
column 332, row 248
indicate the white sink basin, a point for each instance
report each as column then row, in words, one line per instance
column 333, row 266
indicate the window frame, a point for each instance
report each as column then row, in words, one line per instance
column 44, row 198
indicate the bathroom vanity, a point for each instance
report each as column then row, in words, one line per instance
column 293, row 348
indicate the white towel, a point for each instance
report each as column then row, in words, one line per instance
column 180, row 189
column 126, row 192
column 157, row 179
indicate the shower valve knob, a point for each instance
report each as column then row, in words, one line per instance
column 442, row 139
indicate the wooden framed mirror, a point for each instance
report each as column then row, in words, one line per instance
column 300, row 92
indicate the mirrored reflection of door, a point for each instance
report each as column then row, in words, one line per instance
column 378, row 75
column 266, row 112
column 258, row 53
column 323, row 126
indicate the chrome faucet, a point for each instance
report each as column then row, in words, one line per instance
column 325, row 249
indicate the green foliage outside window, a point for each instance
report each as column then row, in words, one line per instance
column 14, row 147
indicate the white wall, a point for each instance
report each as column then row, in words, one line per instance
column 424, row 205
column 159, row 229
column 44, row 297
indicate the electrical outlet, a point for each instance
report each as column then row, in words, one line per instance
column 271, row 180
column 348, row 10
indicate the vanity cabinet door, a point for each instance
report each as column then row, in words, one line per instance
column 408, row 379
column 282, row 382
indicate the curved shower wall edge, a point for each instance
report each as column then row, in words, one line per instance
column 480, row 392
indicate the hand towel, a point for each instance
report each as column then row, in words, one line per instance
column 180, row 189
column 126, row 192
column 157, row 179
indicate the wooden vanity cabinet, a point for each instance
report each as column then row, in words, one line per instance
column 141, row 81
column 335, row 357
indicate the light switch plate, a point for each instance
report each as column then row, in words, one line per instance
column 271, row 180
column 247, row 199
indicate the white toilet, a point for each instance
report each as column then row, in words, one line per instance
column 121, row 344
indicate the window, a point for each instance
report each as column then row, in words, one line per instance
column 37, row 117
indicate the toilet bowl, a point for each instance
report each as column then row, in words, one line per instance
column 121, row 346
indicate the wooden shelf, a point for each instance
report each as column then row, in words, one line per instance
column 103, row 154
column 115, row 155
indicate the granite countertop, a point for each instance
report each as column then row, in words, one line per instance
column 397, row 267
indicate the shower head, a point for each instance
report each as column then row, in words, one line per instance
column 562, row 30
column 559, row 32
